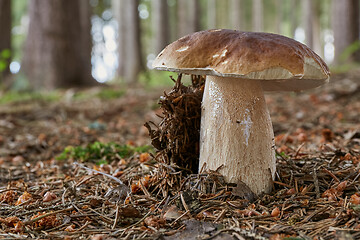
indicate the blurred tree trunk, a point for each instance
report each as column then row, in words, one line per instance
column 5, row 38
column 182, row 25
column 293, row 17
column 188, row 13
column 308, row 13
column 86, row 39
column 132, row 57
column 278, row 16
column 119, row 12
column 345, row 21
column 53, row 50
column 257, row 15
column 194, row 15
column 211, row 14
column 160, row 24
column 236, row 15
column 222, row 13
column 312, row 25
column 317, row 42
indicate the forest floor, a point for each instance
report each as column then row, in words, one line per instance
column 51, row 153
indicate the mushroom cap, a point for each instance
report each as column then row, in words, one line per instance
column 279, row 62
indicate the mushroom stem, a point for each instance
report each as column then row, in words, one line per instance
column 236, row 132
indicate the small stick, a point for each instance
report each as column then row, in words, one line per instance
column 84, row 180
column 82, row 227
column 104, row 218
column 184, row 203
column 331, row 174
column 288, row 161
column 220, row 215
column 321, row 210
column 357, row 176
column 46, row 215
column 105, row 174
column 143, row 188
column 182, row 215
column 316, row 183
column 282, row 184
column 116, row 217
column 9, row 189
column 298, row 149
column 132, row 225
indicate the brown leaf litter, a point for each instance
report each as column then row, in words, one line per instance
column 316, row 190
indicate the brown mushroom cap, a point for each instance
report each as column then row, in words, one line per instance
column 280, row 63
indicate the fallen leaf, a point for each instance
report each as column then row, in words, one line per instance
column 18, row 160
column 341, row 187
column 129, row 212
column 106, row 168
column 45, row 222
column 118, row 173
column 285, row 138
column 49, row 196
column 355, row 199
column 8, row 197
column 122, row 162
column 10, row 221
column 172, row 213
column 302, row 137
column 327, row 135
column 275, row 212
column 291, row 191
column 98, row 237
column 145, row 181
column 154, row 221
column 144, row 157
column 41, row 137
column 70, row 228
column 19, row 227
column 23, row 198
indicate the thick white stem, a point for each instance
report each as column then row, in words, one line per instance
column 236, row 132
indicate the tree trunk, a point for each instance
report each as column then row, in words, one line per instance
column 222, row 12
column 236, row 15
column 308, row 13
column 194, row 12
column 317, row 42
column 258, row 15
column 182, row 26
column 345, row 21
column 312, row 25
column 293, row 17
column 211, row 14
column 119, row 11
column 160, row 25
column 188, row 13
column 53, row 51
column 133, row 52
column 86, row 40
column 278, row 16
column 5, row 38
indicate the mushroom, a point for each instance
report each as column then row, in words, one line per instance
column 236, row 135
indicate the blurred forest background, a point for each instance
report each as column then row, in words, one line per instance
column 67, row 43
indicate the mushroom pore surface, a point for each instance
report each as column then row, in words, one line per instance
column 236, row 133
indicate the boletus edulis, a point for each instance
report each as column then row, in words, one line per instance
column 236, row 134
